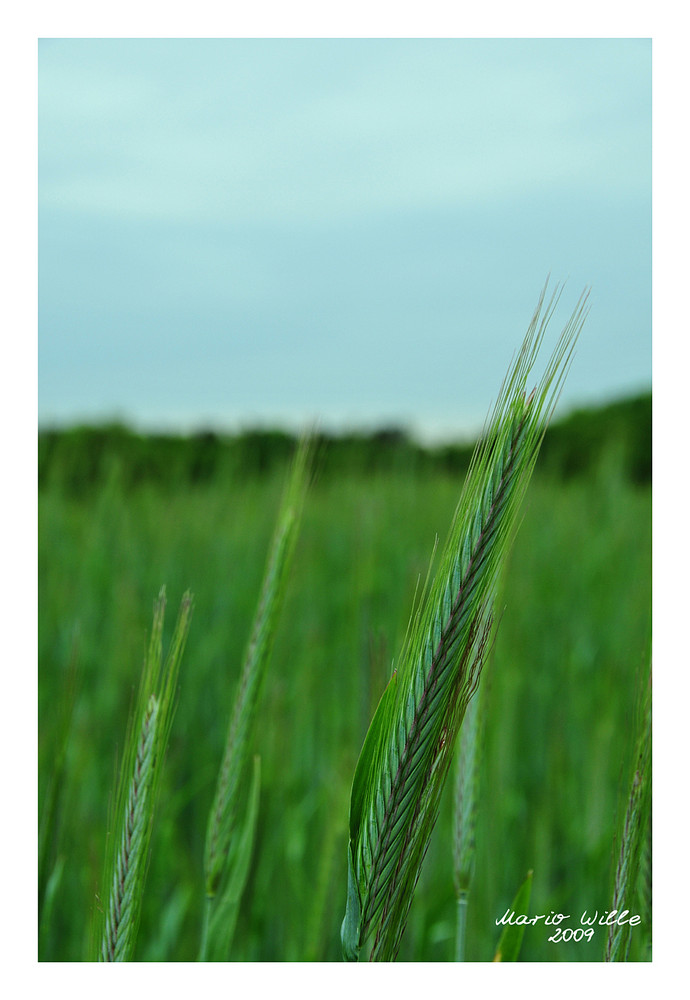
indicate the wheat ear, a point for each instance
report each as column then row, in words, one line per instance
column 133, row 807
column 407, row 750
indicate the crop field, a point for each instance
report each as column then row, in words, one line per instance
column 561, row 690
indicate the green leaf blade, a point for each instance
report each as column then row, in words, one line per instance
column 510, row 942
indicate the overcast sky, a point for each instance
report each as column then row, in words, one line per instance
column 243, row 232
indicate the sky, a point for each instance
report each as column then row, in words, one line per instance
column 271, row 232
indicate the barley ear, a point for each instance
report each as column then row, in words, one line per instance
column 407, row 751
column 132, row 810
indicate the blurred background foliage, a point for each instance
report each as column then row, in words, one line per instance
column 79, row 459
column 121, row 513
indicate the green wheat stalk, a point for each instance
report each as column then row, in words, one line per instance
column 466, row 788
column 631, row 857
column 222, row 828
column 127, row 850
column 408, row 748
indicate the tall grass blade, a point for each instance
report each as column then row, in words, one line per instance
column 50, row 860
column 631, row 855
column 222, row 826
column 317, row 924
column 127, row 849
column 409, row 746
column 645, row 889
column 510, row 941
column 227, row 907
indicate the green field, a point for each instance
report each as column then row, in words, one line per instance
column 562, row 684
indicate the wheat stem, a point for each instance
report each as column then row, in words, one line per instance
column 222, row 829
column 630, row 857
column 460, row 926
column 223, row 810
column 465, row 814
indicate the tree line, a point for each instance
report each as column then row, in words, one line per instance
column 80, row 458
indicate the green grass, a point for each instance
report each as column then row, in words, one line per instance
column 229, row 841
column 559, row 702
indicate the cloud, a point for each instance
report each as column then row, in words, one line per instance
column 313, row 133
